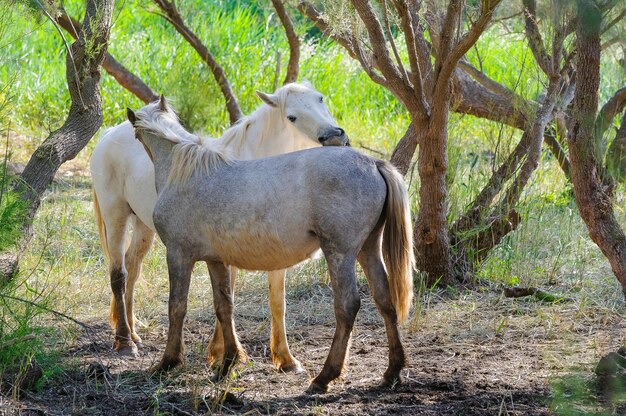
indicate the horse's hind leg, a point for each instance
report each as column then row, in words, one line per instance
column 179, row 267
column 116, row 224
column 373, row 266
column 347, row 304
column 281, row 356
column 223, row 304
column 140, row 244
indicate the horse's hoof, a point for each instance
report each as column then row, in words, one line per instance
column 128, row 351
column 164, row 365
column 140, row 345
column 291, row 367
column 391, row 382
column 242, row 356
column 217, row 377
column 315, row 388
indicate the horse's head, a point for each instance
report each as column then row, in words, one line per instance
column 303, row 109
column 158, row 120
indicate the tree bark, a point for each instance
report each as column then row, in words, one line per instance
column 432, row 245
column 294, row 42
column 83, row 121
column 594, row 197
column 123, row 76
column 173, row 16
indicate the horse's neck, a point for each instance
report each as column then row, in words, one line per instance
column 160, row 151
column 275, row 140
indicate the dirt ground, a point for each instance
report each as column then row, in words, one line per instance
column 455, row 367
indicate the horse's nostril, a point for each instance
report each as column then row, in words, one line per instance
column 322, row 139
column 341, row 131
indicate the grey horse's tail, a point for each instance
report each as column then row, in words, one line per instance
column 398, row 240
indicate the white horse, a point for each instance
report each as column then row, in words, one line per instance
column 293, row 118
column 272, row 213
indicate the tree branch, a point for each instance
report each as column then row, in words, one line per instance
column 610, row 109
column 294, row 42
column 534, row 37
column 389, row 70
column 349, row 42
column 173, row 16
column 123, row 76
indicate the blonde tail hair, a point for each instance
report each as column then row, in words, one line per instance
column 398, row 241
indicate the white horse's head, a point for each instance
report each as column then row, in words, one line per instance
column 303, row 110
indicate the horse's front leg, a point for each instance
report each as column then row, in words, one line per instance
column 215, row 353
column 223, row 303
column 281, row 356
column 179, row 266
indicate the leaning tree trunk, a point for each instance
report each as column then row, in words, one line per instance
column 83, row 121
column 594, row 197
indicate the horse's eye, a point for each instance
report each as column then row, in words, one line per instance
column 321, row 99
column 291, row 118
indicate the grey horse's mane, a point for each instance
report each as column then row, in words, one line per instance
column 191, row 152
column 236, row 134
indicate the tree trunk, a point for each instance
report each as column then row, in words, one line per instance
column 432, row 246
column 594, row 198
column 83, row 121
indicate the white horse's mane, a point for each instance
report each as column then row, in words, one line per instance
column 264, row 114
column 191, row 152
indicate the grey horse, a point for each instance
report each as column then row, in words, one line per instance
column 272, row 213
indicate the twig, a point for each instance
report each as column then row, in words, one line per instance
column 17, row 341
column 45, row 308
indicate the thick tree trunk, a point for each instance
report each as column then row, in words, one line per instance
column 123, row 76
column 83, row 121
column 432, row 246
column 173, row 16
column 594, row 198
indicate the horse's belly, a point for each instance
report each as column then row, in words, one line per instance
column 262, row 250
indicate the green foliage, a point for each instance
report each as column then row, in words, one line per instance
column 578, row 394
column 12, row 215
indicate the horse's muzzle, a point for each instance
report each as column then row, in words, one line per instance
column 334, row 137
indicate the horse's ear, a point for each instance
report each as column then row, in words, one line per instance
column 269, row 99
column 307, row 84
column 162, row 103
column 131, row 116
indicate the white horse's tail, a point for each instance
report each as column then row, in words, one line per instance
column 102, row 229
column 398, row 240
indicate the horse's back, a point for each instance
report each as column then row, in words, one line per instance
column 274, row 212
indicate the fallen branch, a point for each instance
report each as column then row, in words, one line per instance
column 519, row 292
